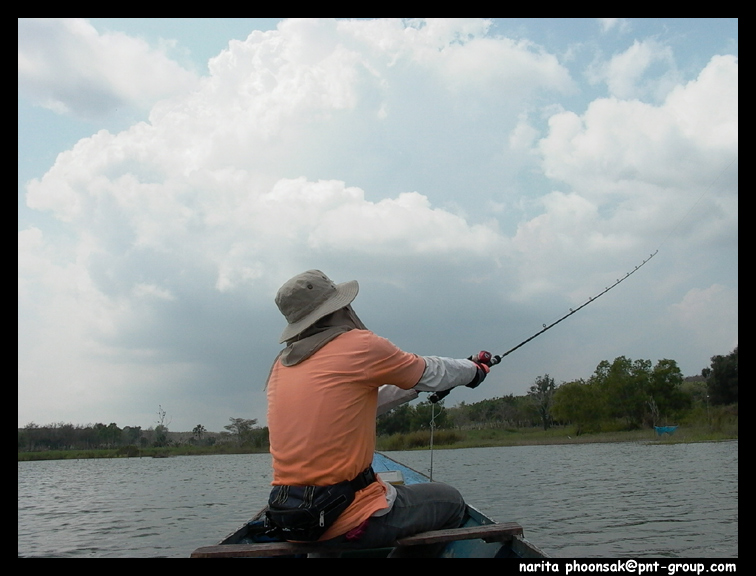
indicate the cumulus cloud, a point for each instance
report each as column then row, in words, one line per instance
column 646, row 69
column 634, row 170
column 619, row 145
column 608, row 24
column 204, row 175
column 700, row 313
column 64, row 64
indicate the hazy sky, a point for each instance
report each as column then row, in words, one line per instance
column 479, row 178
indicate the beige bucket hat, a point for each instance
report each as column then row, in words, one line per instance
column 310, row 296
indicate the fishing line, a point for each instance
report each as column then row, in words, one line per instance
column 432, row 430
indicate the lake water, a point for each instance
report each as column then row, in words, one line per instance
column 574, row 501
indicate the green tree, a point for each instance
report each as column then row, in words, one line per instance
column 581, row 404
column 107, row 436
column 67, row 435
column 507, row 410
column 198, row 431
column 161, row 430
column 624, row 385
column 722, row 378
column 132, row 434
column 396, row 421
column 665, row 389
column 242, row 429
column 30, row 437
column 259, row 437
column 542, row 395
column 423, row 413
column 161, row 436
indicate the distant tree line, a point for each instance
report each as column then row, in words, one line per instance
column 622, row 394
column 722, row 378
column 61, row 436
column 636, row 394
column 246, row 433
column 633, row 393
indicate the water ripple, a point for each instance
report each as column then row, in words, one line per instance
column 589, row 500
column 605, row 500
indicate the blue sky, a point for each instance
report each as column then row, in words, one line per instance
column 479, row 178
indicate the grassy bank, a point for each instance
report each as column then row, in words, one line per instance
column 420, row 440
column 133, row 452
column 535, row 436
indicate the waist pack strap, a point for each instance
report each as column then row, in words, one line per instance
column 363, row 479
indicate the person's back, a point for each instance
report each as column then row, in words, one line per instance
column 321, row 416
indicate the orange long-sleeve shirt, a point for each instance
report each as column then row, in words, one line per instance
column 321, row 416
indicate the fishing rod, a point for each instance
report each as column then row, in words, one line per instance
column 491, row 360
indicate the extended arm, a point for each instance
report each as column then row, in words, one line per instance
column 439, row 374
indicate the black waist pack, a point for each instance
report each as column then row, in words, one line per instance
column 304, row 513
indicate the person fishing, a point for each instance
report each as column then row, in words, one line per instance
column 324, row 392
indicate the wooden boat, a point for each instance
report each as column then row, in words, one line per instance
column 479, row 537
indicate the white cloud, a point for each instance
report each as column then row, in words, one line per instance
column 608, row 24
column 66, row 65
column 468, row 62
column 635, row 171
column 645, row 69
column 619, row 144
column 204, row 177
column 710, row 315
column 145, row 290
column 524, row 136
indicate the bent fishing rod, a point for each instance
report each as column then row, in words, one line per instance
column 491, row 360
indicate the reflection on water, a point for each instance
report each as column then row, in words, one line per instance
column 583, row 500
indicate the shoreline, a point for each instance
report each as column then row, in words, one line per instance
column 505, row 438
column 443, row 440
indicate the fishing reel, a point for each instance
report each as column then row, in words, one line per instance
column 486, row 358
